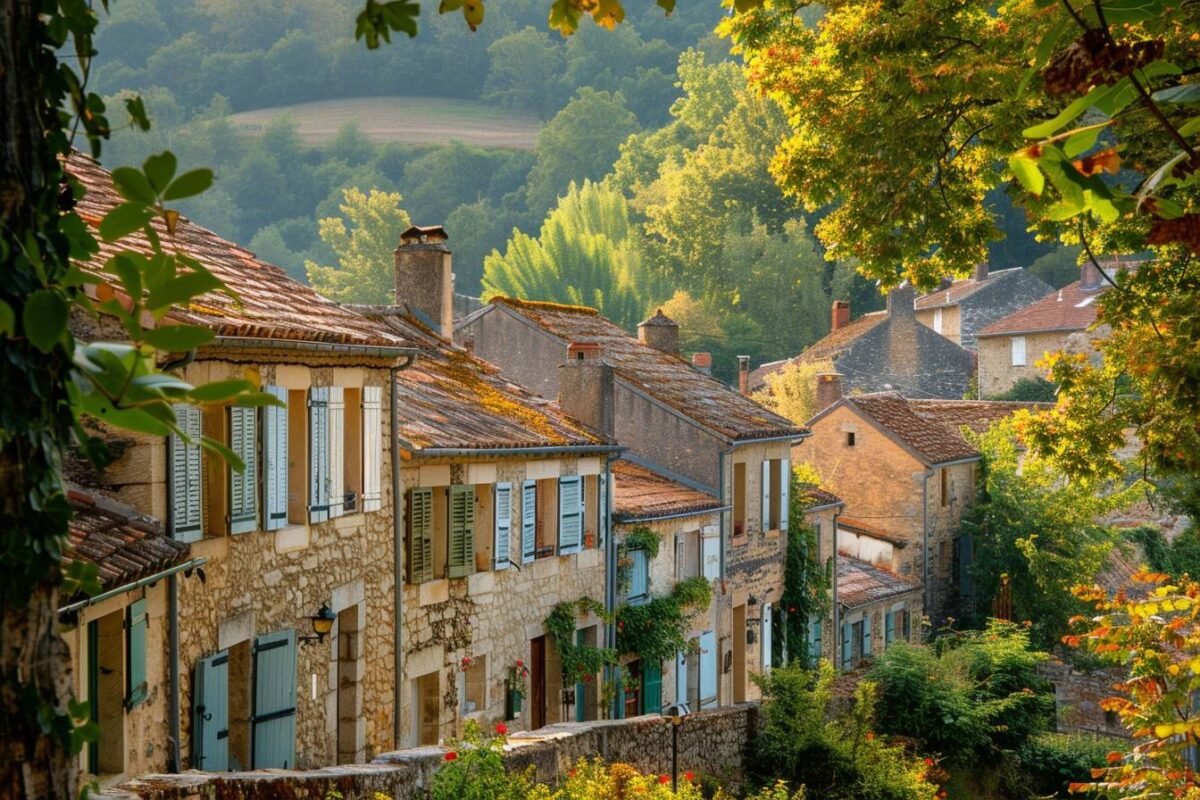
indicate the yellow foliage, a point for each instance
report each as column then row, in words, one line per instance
column 791, row 391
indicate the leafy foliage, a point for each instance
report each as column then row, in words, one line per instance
column 364, row 272
column 1051, row 762
column 791, row 391
column 655, row 631
column 806, row 581
column 1029, row 390
column 578, row 660
column 477, row 771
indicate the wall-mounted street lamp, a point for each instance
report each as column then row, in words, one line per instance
column 322, row 624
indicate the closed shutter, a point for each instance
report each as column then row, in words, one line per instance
column 318, row 454
column 601, row 509
column 765, row 519
column 372, row 422
column 210, row 713
column 1018, row 351
column 580, row 686
column 710, row 556
column 708, row 669
column 620, row 679
column 889, row 628
column 187, row 523
column 135, row 653
column 570, row 520
column 337, row 451
column 907, row 631
column 652, row 689
column 503, row 508
column 847, row 647
column 681, row 677
column 275, row 461
column 420, row 535
column 274, row 720
column 866, row 636
column 528, row 521
column 639, row 575
column 243, row 486
column 767, row 640
column 814, row 642
column 462, row 532
column 785, row 480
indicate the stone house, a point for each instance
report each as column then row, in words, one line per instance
column 886, row 351
column 875, row 607
column 959, row 310
column 686, row 423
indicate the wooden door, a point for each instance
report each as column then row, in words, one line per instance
column 537, row 682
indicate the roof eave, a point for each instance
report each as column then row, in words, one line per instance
column 539, row 450
column 391, row 352
column 699, row 512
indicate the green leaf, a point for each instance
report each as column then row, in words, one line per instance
column 181, row 289
column 667, row 6
column 45, row 319
column 125, row 266
column 139, row 419
column 83, row 243
column 132, row 185
column 137, row 112
column 123, row 220
column 1118, row 12
column 564, row 17
column 1025, row 169
column 177, row 338
column 1081, row 142
column 8, row 319
column 219, row 391
column 160, row 169
column 160, row 383
column 214, row 446
column 1190, row 127
column 189, row 184
column 1067, row 115
column 1179, row 95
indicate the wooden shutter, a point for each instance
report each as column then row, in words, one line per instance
column 651, row 689
column 639, row 579
column 708, row 669
column 601, row 508
column 372, row 425
column 765, row 519
column 766, row 639
column 243, row 486
column 503, row 527
column 889, row 628
column 814, row 642
column 337, row 451
column 420, row 535
column 681, row 677
column 210, row 713
column 866, row 636
column 570, row 520
column 136, row 620
column 785, row 480
column 847, row 649
column 462, row 532
column 274, row 719
column 187, row 523
column 528, row 521
column 1018, row 351
column 318, row 453
column 275, row 461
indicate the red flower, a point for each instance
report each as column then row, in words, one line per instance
column 571, row 774
column 929, row 762
column 689, row 776
column 663, row 779
column 501, row 728
column 450, row 756
column 520, row 663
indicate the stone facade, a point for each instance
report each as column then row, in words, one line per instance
column 999, row 294
column 1077, row 698
column 998, row 374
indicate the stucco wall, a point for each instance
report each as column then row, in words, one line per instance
column 529, row 356
column 996, row 371
column 951, row 321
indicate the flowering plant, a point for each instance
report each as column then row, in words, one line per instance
column 473, row 769
column 518, row 677
column 595, row 780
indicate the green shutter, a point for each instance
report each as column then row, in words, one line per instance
column 420, row 535
column 135, row 651
column 652, row 689
column 462, row 532
column 210, row 713
column 274, row 734
column 243, row 486
column 814, row 642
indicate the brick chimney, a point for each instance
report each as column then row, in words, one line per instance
column 424, row 278
column 981, row 271
column 702, row 362
column 829, row 390
column 1089, row 276
column 585, row 387
column 841, row 314
column 900, row 301
column 660, row 332
column 744, row 374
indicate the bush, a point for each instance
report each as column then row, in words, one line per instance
column 1051, row 761
column 1030, row 390
column 474, row 769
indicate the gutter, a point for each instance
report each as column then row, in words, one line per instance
column 792, row 437
column 374, row 351
column 455, row 452
column 129, row 587
column 679, row 515
column 610, row 580
column 968, row 460
column 397, row 551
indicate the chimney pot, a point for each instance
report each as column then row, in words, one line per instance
column 829, row 390
column 981, row 271
column 744, row 374
column 660, row 332
column 841, row 314
column 702, row 362
column 424, row 279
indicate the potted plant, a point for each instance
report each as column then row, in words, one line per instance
column 515, row 685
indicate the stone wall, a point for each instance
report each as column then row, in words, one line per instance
column 996, row 371
column 901, row 354
column 1077, row 698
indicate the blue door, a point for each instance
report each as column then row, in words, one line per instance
column 275, row 700
column 210, row 713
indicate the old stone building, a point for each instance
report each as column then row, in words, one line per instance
column 886, row 351
column 959, row 310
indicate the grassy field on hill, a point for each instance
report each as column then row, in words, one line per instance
column 409, row 120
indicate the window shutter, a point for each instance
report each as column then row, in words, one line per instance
column 503, row 509
column 814, row 642
column 462, row 531
column 420, row 535
column 639, row 575
column 528, row 521
column 570, row 523
column 765, row 520
column 681, row 677
column 243, row 486
column 652, row 689
column 889, row 628
column 767, row 637
column 274, row 720
column 710, row 556
column 372, row 424
column 620, row 679
column 601, row 509
column 866, row 636
column 318, row 453
column 847, row 648
column 275, row 461
column 1018, row 351
column 708, row 669
column 785, row 481
column 186, row 480
column 210, row 713
column 337, row 451
column 135, row 653
column 937, row 320
column 907, row 631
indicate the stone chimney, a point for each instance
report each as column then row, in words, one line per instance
column 585, row 387
column 829, row 390
column 702, row 362
column 744, row 374
column 1089, row 276
column 424, row 278
column 841, row 314
column 660, row 332
column 900, row 301
column 981, row 271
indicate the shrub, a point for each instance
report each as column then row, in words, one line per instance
column 1051, row 761
column 595, row 780
column 1029, row 390
column 474, row 769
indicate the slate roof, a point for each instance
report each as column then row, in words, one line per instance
column 665, row 377
column 1071, row 308
column 640, row 493
column 265, row 304
column 125, row 545
column 823, row 349
column 960, row 290
column 933, row 441
column 860, row 583
column 813, row 496
column 450, row 399
column 866, row 529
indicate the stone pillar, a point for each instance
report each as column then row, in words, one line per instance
column 900, row 301
column 981, row 271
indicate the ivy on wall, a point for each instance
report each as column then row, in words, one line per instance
column 806, row 580
column 640, row 538
column 656, row 630
column 578, row 660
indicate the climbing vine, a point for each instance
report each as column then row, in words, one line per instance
column 656, row 630
column 640, row 538
column 806, row 580
column 579, row 661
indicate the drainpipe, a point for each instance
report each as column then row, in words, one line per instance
column 173, row 658
column 397, row 550
column 836, row 633
column 610, row 576
column 925, row 538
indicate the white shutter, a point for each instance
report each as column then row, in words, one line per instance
column 765, row 520
column 785, row 483
column 503, row 514
column 528, row 521
column 681, row 677
column 275, row 461
column 710, row 556
column 243, row 486
column 372, row 423
column 318, row 454
column 187, row 524
column 570, row 527
column 937, row 320
column 1018, row 351
column 337, row 451
column 602, row 509
column 766, row 637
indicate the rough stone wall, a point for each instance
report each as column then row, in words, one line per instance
column 945, row 523
column 900, row 354
column 1077, row 698
column 951, row 321
column 996, row 371
column 528, row 356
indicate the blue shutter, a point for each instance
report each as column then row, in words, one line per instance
column 681, row 677
column 528, row 521
column 372, row 427
column 580, row 687
column 602, row 509
column 275, row 460
column 210, row 713
column 652, row 689
column 135, row 653
column 639, row 575
column 336, row 461
column 785, row 481
column 570, row 520
column 502, row 508
column 274, row 701
column 318, row 454
column 708, row 669
column 764, row 523
column 243, row 486
column 620, row 698
column 889, row 627
column 814, row 642
column 766, row 640
column 187, row 519
column 461, row 562
column 847, row 649
column 866, row 636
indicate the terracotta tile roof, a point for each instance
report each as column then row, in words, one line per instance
column 1071, row 308
column 450, row 399
column 122, row 543
column 860, row 583
column 978, row 415
column 813, row 496
column 933, row 441
column 823, row 349
column 960, row 290
column 866, row 529
column 642, row 493
column 267, row 303
column 665, row 377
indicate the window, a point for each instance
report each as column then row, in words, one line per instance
column 814, row 640
column 473, row 685
column 570, row 514
column 739, row 500
column 849, row 438
column 1018, row 351
column 461, row 545
column 420, row 535
column 502, row 525
column 937, row 320
column 106, row 692
column 529, row 525
column 945, row 485
column 774, row 494
column 186, row 477
column 547, row 517
column 856, row 642
column 639, row 576
column 687, row 555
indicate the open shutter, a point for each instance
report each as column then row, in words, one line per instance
column 765, row 519
column 889, row 627
column 462, row 532
column 318, row 454
column 907, row 629
column 420, row 535
column 681, row 677
column 847, row 647
column 372, row 424
column 186, row 481
column 601, row 508
column 210, row 713
column 639, row 575
column 866, row 636
column 814, row 642
column 503, row 507
column 528, row 521
column 652, row 688
column 274, row 734
column 337, row 451
column 620, row 698
column 243, row 486
column 135, row 653
column 767, row 637
column 275, row 460
column 785, row 480
column 570, row 520
column 708, row 669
